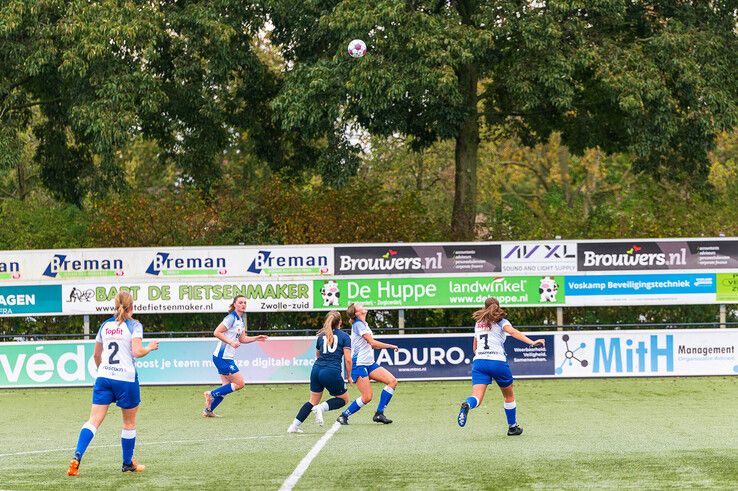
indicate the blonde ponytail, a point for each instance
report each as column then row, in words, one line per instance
column 123, row 306
column 332, row 320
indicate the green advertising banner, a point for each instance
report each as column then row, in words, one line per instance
column 727, row 287
column 398, row 293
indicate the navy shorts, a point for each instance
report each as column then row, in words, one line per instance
column 327, row 378
column 484, row 371
column 225, row 366
column 362, row 370
column 126, row 395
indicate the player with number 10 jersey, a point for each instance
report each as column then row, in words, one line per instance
column 332, row 347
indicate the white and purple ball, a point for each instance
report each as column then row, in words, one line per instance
column 357, row 48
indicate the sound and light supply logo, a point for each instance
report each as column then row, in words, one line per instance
column 548, row 258
column 570, row 355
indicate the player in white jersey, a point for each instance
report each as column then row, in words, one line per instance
column 490, row 361
column 118, row 342
column 231, row 334
column 365, row 369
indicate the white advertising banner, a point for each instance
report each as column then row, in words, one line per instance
column 188, row 296
column 636, row 353
column 539, row 258
column 165, row 262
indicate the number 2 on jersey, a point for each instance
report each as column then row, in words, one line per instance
column 114, row 347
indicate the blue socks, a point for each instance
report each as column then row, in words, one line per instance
column 510, row 409
column 86, row 434
column 353, row 407
column 128, row 442
column 384, row 398
column 304, row 412
column 222, row 391
column 510, row 413
column 216, row 401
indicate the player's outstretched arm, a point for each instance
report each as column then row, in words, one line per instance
column 379, row 344
column 138, row 349
column 250, row 339
column 522, row 337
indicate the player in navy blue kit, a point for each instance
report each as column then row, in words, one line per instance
column 365, row 369
column 118, row 342
column 231, row 334
column 331, row 348
column 490, row 361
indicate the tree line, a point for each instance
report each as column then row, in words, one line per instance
column 129, row 123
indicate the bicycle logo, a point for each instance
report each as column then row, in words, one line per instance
column 77, row 295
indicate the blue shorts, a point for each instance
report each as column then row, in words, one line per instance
column 483, row 371
column 327, row 378
column 224, row 366
column 126, row 395
column 362, row 370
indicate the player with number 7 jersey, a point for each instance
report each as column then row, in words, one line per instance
column 490, row 362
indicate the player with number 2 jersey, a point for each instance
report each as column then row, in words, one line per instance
column 118, row 342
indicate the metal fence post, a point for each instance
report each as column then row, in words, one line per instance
column 86, row 326
column 723, row 316
column 401, row 321
column 559, row 318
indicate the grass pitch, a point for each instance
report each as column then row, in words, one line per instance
column 606, row 433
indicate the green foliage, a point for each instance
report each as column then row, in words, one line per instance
column 208, row 125
column 42, row 224
column 655, row 79
column 92, row 76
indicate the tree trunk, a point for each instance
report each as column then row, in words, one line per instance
column 463, row 217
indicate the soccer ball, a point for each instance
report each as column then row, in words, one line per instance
column 357, row 48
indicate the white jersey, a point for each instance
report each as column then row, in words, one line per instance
column 361, row 352
column 491, row 340
column 117, row 355
column 234, row 326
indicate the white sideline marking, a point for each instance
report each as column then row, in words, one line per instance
column 199, row 442
column 290, row 482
